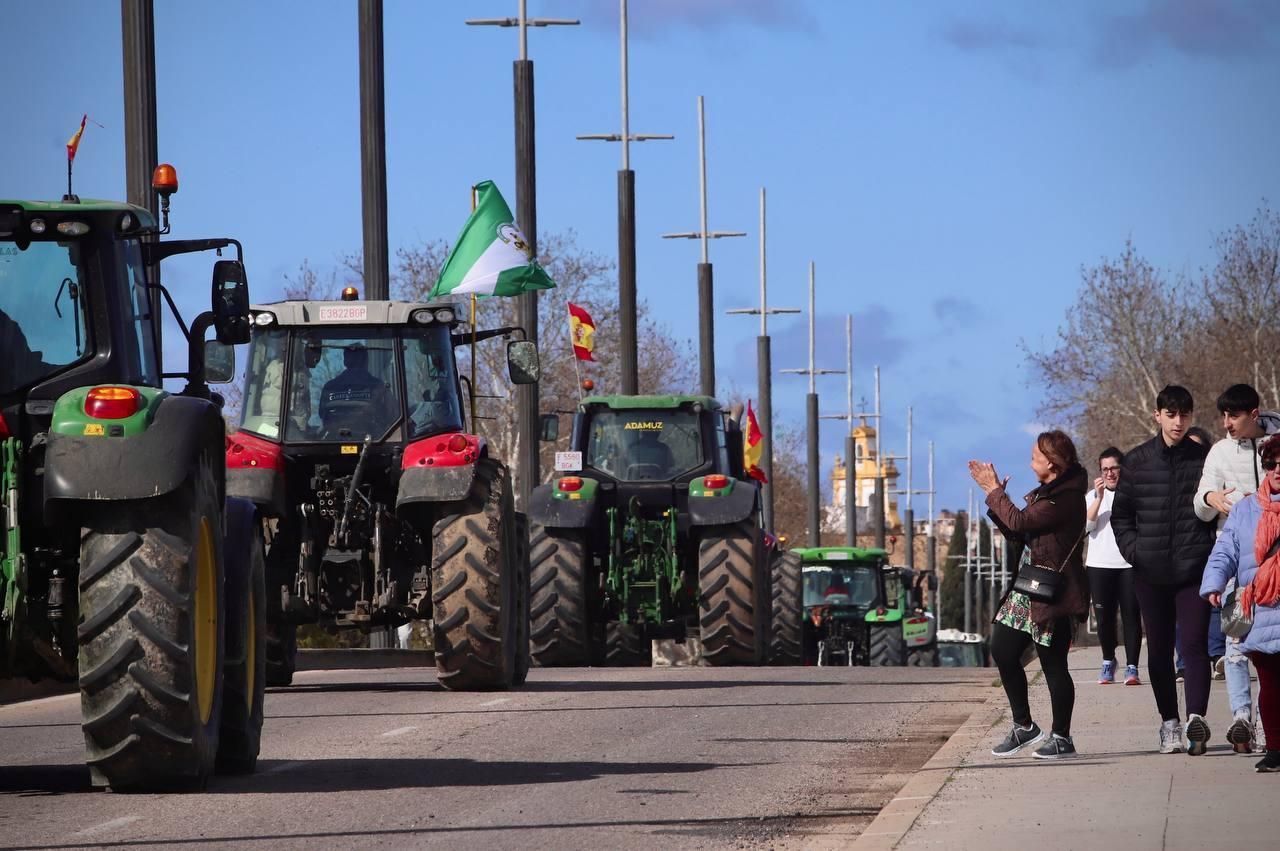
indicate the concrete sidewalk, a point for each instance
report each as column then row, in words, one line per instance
column 1119, row 793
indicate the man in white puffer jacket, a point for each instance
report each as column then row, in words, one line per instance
column 1233, row 471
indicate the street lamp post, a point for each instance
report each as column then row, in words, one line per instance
column 764, row 371
column 811, row 411
column 626, row 227
column 706, row 300
column 850, row 468
column 373, row 152
column 527, row 461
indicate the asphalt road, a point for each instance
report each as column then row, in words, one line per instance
column 600, row 758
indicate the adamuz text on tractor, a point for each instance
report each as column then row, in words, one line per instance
column 860, row 610
column 650, row 529
column 124, row 566
column 382, row 506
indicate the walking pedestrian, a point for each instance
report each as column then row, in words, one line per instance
column 1233, row 472
column 1248, row 551
column 1110, row 576
column 1158, row 532
column 1048, row 532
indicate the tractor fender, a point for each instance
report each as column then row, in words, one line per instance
column 728, row 506
column 255, row 471
column 547, row 508
column 86, row 462
column 434, row 484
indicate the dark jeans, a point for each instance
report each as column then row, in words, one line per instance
column 1164, row 607
column 1007, row 647
column 1111, row 589
column 1268, row 667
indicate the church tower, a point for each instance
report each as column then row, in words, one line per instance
column 864, row 471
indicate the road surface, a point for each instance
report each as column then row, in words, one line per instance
column 602, row 758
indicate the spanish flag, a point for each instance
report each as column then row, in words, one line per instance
column 73, row 144
column 582, row 332
column 753, row 447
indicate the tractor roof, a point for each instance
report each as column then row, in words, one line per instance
column 85, row 205
column 645, row 403
column 811, row 555
column 323, row 313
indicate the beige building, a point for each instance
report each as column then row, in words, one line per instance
column 865, row 468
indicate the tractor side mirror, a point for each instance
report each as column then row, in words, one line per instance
column 231, row 302
column 549, row 428
column 522, row 362
column 219, row 362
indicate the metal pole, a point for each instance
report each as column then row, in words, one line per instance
column 850, row 468
column 373, row 152
column 706, row 298
column 968, row 567
column 527, row 462
column 909, row 514
column 879, row 496
column 932, row 556
column 137, row 24
column 811, row 404
column 764, row 377
column 627, row 281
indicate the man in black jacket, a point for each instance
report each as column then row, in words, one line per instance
column 1158, row 532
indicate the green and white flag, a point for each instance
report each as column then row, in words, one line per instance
column 491, row 256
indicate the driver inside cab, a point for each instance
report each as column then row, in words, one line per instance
column 648, row 457
column 356, row 402
column 22, row 365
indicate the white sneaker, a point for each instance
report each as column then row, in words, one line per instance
column 1171, row 737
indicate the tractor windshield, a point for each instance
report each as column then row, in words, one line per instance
column 344, row 384
column 42, row 311
column 637, row 445
column 431, row 383
column 840, row 585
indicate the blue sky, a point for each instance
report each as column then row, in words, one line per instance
column 949, row 167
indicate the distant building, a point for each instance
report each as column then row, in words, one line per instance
column 865, row 469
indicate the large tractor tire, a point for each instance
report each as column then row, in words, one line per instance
column 733, row 596
column 282, row 653
column 523, row 657
column 245, row 672
column 888, row 648
column 559, row 565
column 626, row 647
column 785, row 642
column 151, row 637
column 923, row 657
column 474, row 585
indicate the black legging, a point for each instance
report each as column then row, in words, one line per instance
column 1007, row 647
column 1163, row 607
column 1112, row 588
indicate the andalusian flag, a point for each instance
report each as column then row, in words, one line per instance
column 753, row 447
column 491, row 256
column 582, row 332
column 73, row 144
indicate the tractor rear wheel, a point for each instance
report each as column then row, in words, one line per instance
column 923, row 657
column 474, row 590
column 282, row 653
column 788, row 609
column 625, row 646
column 733, row 596
column 244, row 675
column 523, row 658
column 888, row 647
column 559, row 561
column 151, row 637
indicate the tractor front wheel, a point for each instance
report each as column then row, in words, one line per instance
column 888, row 647
column 474, row 580
column 788, row 609
column 244, row 678
column 733, row 596
column 625, row 646
column 151, row 637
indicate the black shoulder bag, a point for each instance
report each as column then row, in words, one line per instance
column 1042, row 583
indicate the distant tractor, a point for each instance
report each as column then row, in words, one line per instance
column 860, row 610
column 382, row 506
column 957, row 649
column 124, row 566
column 651, row 530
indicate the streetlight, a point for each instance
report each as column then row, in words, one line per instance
column 527, row 461
column 706, row 300
column 764, row 371
column 626, row 228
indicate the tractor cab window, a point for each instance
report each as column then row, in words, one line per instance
column 43, row 312
column 840, row 585
column 645, row 445
column 431, row 384
column 139, row 307
column 346, row 380
column 722, row 446
column 264, row 387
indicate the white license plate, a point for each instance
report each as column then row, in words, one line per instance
column 568, row 462
column 344, row 312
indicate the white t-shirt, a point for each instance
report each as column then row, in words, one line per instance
column 1102, row 551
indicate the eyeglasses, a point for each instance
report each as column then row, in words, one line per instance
column 1106, row 470
column 1270, row 464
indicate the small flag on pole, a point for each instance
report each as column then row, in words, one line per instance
column 73, row 144
column 753, row 447
column 582, row 332
column 491, row 256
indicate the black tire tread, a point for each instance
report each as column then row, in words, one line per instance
column 887, row 646
column 559, row 625
column 785, row 642
column 733, row 600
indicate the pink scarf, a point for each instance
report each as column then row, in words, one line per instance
column 1264, row 590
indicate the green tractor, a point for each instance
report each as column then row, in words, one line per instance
column 861, row 610
column 650, row 530
column 125, row 569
